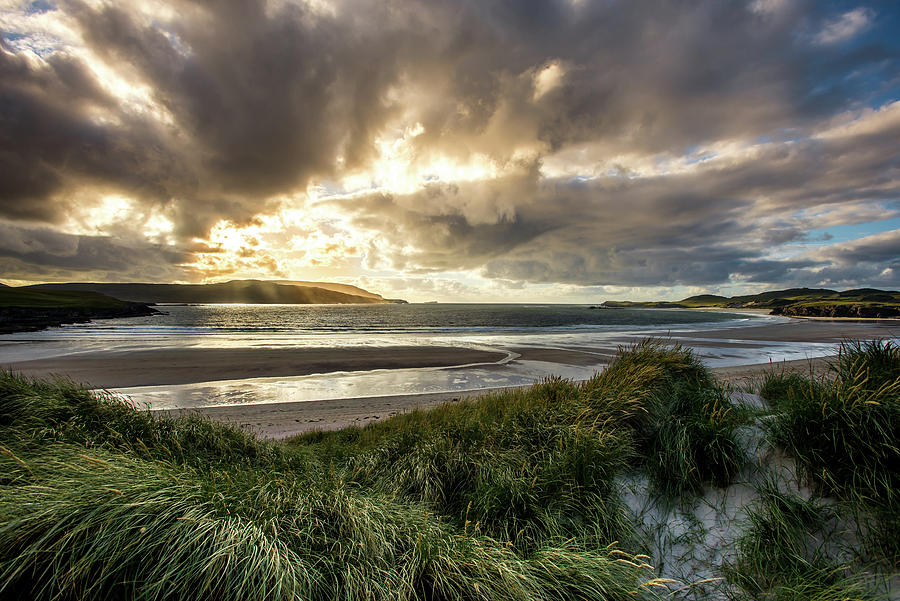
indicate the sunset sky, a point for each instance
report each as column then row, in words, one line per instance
column 470, row 150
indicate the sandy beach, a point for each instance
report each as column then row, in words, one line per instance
column 185, row 366
column 809, row 330
column 161, row 367
column 283, row 420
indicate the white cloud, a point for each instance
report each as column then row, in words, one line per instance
column 846, row 26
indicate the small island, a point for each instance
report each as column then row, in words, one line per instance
column 862, row 303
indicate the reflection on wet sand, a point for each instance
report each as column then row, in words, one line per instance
column 577, row 356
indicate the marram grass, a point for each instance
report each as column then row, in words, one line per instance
column 844, row 431
column 98, row 525
column 502, row 498
column 796, row 549
column 509, row 496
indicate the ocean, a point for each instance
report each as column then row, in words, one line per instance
column 509, row 328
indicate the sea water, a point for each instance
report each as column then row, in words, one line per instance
column 496, row 327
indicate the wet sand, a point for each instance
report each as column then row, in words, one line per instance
column 159, row 367
column 187, row 366
column 280, row 420
column 807, row 330
column 283, row 420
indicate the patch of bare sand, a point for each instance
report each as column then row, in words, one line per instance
column 745, row 376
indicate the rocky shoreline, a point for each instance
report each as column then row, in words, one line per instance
column 32, row 319
column 839, row 310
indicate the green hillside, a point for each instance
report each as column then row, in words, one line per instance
column 703, row 300
column 345, row 288
column 47, row 299
column 801, row 302
column 237, row 291
column 29, row 309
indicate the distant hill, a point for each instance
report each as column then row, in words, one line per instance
column 703, row 300
column 27, row 309
column 237, row 291
column 345, row 288
column 799, row 302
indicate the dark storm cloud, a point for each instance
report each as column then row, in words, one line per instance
column 700, row 227
column 52, row 142
column 26, row 251
column 870, row 261
column 879, row 248
column 261, row 99
column 259, row 103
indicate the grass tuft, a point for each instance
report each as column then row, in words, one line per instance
column 843, row 432
column 692, row 440
column 791, row 551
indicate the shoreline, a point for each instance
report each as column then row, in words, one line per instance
column 278, row 421
column 748, row 346
column 175, row 366
column 172, row 366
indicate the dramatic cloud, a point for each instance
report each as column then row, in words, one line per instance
column 490, row 145
column 26, row 252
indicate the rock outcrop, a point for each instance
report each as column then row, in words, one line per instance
column 30, row 319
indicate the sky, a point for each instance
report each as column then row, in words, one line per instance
column 453, row 150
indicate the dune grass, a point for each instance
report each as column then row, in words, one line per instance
column 508, row 496
column 98, row 526
column 692, row 441
column 844, row 432
column 793, row 550
column 537, row 466
column 38, row 411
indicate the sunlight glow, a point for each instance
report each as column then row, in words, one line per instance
column 400, row 170
column 547, row 79
column 288, row 243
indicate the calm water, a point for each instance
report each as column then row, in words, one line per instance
column 507, row 328
column 239, row 326
column 418, row 318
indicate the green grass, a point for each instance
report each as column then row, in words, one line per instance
column 692, row 441
column 481, row 500
column 779, row 385
column 97, row 526
column 818, row 300
column 508, row 496
column 843, row 303
column 844, row 431
column 53, row 299
column 37, row 411
column 537, row 466
column 791, row 551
